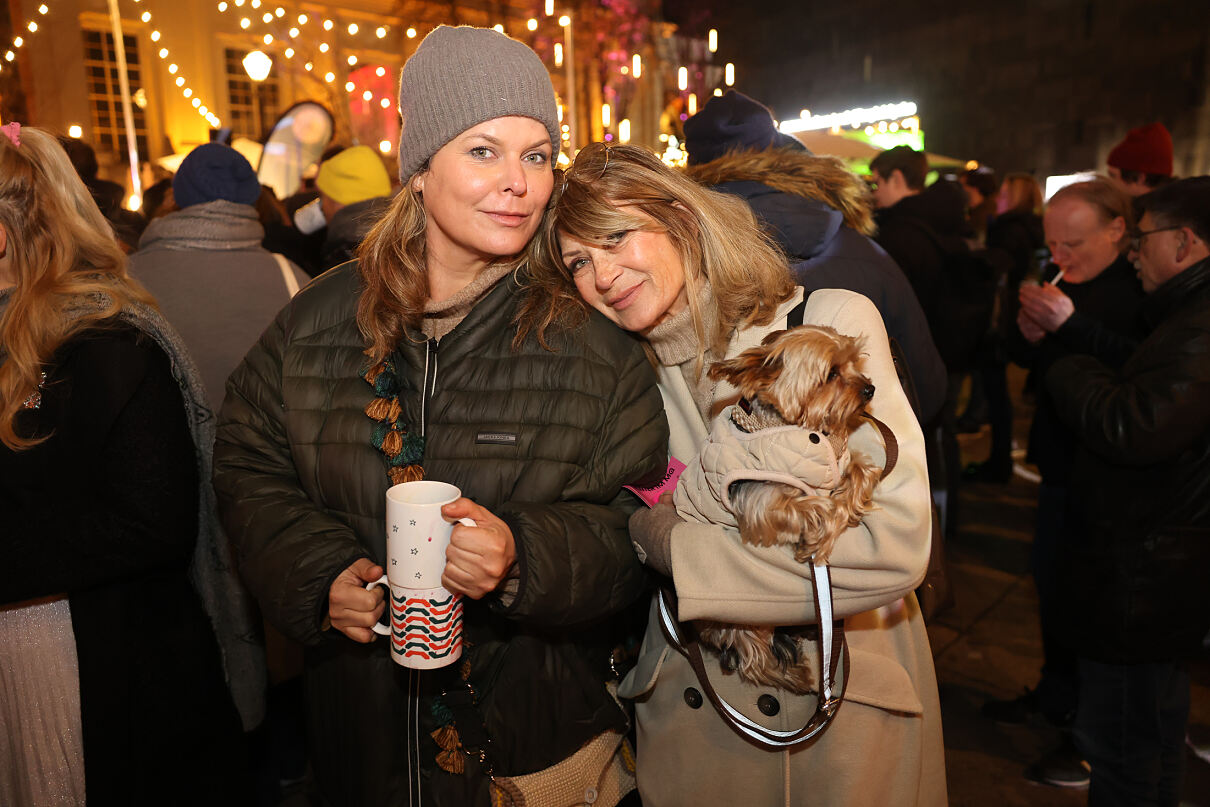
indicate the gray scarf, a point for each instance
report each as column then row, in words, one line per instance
column 231, row 609
column 217, row 225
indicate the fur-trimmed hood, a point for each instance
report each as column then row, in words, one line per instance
column 797, row 173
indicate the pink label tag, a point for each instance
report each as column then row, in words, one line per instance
column 667, row 483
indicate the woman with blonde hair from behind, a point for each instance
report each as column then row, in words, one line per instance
column 111, row 683
column 689, row 272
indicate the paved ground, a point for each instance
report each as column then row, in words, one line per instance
column 989, row 646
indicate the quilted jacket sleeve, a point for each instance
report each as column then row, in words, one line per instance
column 881, row 560
column 289, row 549
column 574, row 555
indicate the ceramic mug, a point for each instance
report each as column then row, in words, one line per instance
column 425, row 619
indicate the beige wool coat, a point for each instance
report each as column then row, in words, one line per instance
column 884, row 746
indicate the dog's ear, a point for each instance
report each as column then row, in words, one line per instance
column 750, row 371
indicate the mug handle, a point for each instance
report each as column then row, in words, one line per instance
column 378, row 627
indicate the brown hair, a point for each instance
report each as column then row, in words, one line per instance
column 1024, row 193
column 912, row 164
column 63, row 256
column 716, row 236
column 1106, row 198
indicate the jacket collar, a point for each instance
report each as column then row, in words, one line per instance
column 1188, row 287
column 493, row 313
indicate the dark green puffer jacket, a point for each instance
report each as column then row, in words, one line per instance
column 301, row 493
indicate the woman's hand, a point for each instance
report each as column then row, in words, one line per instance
column 651, row 534
column 1046, row 306
column 352, row 608
column 478, row 558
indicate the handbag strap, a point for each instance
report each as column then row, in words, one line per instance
column 832, row 647
column 287, row 273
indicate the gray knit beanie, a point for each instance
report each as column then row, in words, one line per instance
column 461, row 77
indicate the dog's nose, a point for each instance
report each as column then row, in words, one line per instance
column 867, row 392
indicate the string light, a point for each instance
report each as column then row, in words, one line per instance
column 329, row 77
column 712, row 39
column 729, row 74
column 323, row 47
column 350, row 86
column 268, row 39
column 636, row 66
column 294, row 32
column 353, row 29
column 352, row 60
column 381, row 32
column 18, row 41
column 267, row 18
column 289, row 53
column 173, row 69
column 279, row 12
column 682, row 78
column 385, row 103
column 302, row 19
column 328, row 25
column 384, row 146
column 411, row 33
column 531, row 24
column 367, row 96
column 244, row 23
column 380, row 72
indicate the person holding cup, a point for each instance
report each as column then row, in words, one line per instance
column 433, row 358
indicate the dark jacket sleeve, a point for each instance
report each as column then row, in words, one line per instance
column 574, row 556
column 1146, row 414
column 289, row 549
column 1083, row 334
column 127, row 499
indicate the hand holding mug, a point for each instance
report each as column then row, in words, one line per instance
column 479, row 557
column 352, row 609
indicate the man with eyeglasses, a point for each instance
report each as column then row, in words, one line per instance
column 1140, row 549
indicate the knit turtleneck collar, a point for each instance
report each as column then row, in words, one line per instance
column 674, row 341
column 442, row 317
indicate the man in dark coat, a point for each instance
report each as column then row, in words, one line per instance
column 1140, row 553
column 819, row 212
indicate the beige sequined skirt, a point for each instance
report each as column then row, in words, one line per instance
column 41, row 753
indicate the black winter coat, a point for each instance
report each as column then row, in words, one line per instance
column 302, row 489
column 106, row 510
column 1141, row 554
column 1106, row 324
column 830, row 255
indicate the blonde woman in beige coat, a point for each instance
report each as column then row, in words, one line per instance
column 689, row 272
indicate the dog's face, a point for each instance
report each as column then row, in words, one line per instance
column 810, row 375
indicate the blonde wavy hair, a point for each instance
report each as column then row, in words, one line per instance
column 392, row 264
column 63, row 257
column 613, row 189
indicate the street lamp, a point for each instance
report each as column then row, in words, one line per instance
column 257, row 65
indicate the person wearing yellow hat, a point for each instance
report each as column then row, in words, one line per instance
column 354, row 190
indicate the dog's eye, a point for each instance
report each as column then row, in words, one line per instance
column 832, row 374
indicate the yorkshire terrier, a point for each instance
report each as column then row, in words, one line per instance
column 809, row 377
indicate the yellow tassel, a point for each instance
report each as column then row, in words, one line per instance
column 395, row 411
column 412, row 473
column 392, row 444
column 451, row 762
column 446, row 738
column 372, row 374
column 378, row 409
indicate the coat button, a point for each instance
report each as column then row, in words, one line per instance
column 814, row 437
column 768, row 705
column 590, row 795
column 693, row 698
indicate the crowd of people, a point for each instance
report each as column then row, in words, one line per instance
column 236, row 381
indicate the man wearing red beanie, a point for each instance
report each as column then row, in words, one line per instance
column 1143, row 160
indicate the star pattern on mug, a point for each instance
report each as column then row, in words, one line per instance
column 412, row 522
column 394, row 562
column 394, row 528
column 415, row 551
column 417, row 575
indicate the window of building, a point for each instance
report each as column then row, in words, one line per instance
column 254, row 105
column 105, row 94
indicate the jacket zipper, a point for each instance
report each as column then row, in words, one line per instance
column 427, row 389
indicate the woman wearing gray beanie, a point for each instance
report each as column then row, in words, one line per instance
column 431, row 356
